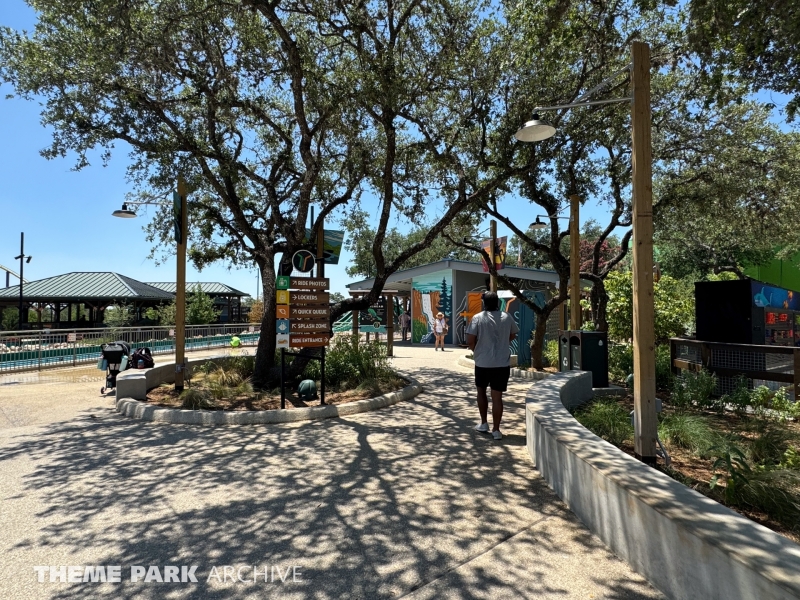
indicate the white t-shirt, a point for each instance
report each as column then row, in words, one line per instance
column 493, row 329
column 439, row 325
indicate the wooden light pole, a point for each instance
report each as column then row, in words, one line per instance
column 180, row 288
column 574, row 264
column 180, row 227
column 492, row 249
column 644, row 364
column 644, row 380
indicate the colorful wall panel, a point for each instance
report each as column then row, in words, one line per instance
column 431, row 294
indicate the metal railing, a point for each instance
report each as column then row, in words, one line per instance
column 44, row 349
column 771, row 366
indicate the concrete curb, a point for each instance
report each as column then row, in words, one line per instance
column 519, row 373
column 146, row 412
column 687, row 545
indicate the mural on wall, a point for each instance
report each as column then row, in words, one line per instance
column 523, row 316
column 770, row 296
column 431, row 294
column 470, row 305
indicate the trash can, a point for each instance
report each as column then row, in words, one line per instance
column 585, row 351
column 564, row 363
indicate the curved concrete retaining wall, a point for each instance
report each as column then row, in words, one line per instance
column 688, row 546
column 134, row 383
column 150, row 378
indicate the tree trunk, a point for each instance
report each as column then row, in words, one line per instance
column 599, row 302
column 264, row 372
column 539, row 332
column 537, row 345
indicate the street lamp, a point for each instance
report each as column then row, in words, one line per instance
column 127, row 213
column 644, row 384
column 23, row 260
column 539, row 224
column 180, row 220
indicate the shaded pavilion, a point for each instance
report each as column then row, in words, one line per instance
column 226, row 299
column 80, row 299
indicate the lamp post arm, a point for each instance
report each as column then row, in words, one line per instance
column 579, row 104
column 14, row 273
column 603, row 84
column 148, row 202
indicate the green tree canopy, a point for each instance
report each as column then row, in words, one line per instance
column 360, row 237
column 757, row 42
column 729, row 197
column 163, row 314
column 267, row 108
column 118, row 315
column 200, row 308
column 674, row 307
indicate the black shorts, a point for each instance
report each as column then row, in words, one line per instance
column 494, row 377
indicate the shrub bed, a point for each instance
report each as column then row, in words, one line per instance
column 742, row 450
column 352, row 372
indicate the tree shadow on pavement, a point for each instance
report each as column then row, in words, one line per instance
column 407, row 501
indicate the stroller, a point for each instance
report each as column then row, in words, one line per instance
column 115, row 358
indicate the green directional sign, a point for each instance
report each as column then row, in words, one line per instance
column 177, row 219
column 282, row 282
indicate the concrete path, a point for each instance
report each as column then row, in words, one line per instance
column 405, row 502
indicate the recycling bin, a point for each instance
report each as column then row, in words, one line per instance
column 584, row 351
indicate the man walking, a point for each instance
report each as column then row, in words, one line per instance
column 488, row 336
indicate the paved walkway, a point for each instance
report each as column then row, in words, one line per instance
column 405, row 502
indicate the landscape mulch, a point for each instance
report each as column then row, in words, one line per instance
column 165, row 396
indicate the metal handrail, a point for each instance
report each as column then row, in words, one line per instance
column 26, row 350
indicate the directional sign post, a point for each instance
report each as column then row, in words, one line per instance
column 310, row 326
column 308, row 312
column 302, row 319
column 309, row 283
column 307, row 297
column 309, row 340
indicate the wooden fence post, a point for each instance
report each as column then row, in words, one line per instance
column 797, row 374
column 673, row 353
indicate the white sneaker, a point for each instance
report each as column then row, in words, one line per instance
column 482, row 427
column 497, row 435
